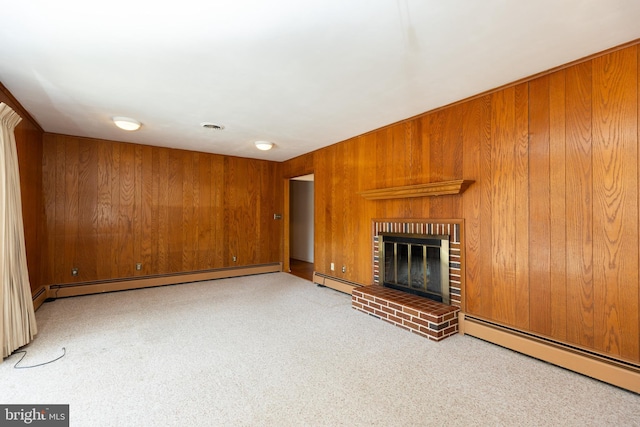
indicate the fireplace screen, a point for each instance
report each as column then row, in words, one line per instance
column 417, row 264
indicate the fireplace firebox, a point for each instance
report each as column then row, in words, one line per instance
column 417, row 264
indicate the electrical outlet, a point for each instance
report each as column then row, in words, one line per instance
column 235, row 258
column 138, row 266
column 74, row 271
column 344, row 269
column 333, row 267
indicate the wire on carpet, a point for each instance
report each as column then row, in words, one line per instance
column 64, row 352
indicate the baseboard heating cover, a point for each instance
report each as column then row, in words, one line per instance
column 86, row 288
column 334, row 283
column 39, row 297
column 619, row 373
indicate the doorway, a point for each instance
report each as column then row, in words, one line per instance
column 301, row 226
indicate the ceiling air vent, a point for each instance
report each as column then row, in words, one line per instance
column 212, row 126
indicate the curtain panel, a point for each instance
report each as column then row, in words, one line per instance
column 17, row 319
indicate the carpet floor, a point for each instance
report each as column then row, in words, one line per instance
column 275, row 350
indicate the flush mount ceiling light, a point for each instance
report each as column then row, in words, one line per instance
column 264, row 145
column 127, row 123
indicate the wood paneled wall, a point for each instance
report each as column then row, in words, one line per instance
column 110, row 205
column 551, row 222
column 29, row 147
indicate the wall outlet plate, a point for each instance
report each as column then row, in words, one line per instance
column 333, row 267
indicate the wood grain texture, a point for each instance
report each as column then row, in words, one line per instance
column 474, row 113
column 486, row 211
column 558, row 190
column 111, row 205
column 540, row 209
column 579, row 204
column 28, row 137
column 503, row 213
column 523, row 184
column 615, row 203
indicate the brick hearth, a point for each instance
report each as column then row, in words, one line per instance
column 425, row 317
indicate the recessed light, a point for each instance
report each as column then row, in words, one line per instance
column 264, row 145
column 212, row 126
column 127, row 123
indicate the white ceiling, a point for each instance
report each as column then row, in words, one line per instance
column 302, row 74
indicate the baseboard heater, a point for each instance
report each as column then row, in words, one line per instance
column 601, row 367
column 95, row 287
column 334, row 283
column 39, row 297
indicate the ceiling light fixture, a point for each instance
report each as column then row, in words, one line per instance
column 264, row 145
column 127, row 123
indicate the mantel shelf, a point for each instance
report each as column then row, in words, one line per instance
column 440, row 188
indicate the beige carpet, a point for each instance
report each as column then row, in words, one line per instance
column 275, row 350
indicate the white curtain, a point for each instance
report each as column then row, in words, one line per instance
column 17, row 319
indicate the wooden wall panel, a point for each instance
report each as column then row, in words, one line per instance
column 540, row 209
column 523, row 183
column 579, row 204
column 551, row 222
column 88, row 215
column 111, row 205
column 220, row 231
column 486, row 217
column 615, row 203
column 126, row 212
column 503, row 214
column 476, row 132
column 557, row 206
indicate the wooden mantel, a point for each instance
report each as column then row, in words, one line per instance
column 440, row 188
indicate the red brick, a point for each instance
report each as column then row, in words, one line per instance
column 449, row 316
column 374, row 305
column 428, row 332
column 395, row 319
column 410, row 324
column 411, row 311
column 381, row 301
column 381, row 314
column 388, row 310
column 395, row 306
column 451, row 330
column 403, row 315
column 369, row 297
column 429, row 316
column 367, row 309
column 355, row 304
column 421, row 322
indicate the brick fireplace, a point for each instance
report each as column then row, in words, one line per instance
column 423, row 316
